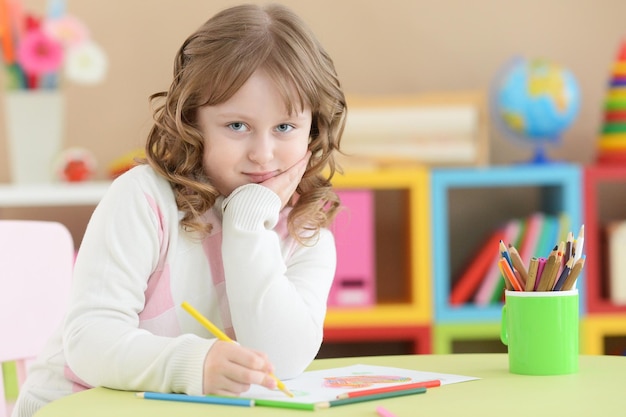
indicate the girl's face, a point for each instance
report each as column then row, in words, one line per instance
column 252, row 137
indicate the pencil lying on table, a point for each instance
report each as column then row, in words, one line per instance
column 223, row 400
column 372, row 397
column 365, row 392
column 222, row 336
column 242, row 402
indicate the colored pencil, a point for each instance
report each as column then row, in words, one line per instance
column 564, row 273
column 383, row 412
column 205, row 399
column 579, row 243
column 222, row 336
column 546, row 282
column 568, row 247
column 505, row 253
column 532, row 274
column 423, row 384
column 518, row 264
column 570, row 281
column 507, row 273
column 286, row 404
column 345, row 401
column 540, row 268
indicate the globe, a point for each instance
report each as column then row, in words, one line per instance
column 535, row 101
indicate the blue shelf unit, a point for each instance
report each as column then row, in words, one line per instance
column 467, row 203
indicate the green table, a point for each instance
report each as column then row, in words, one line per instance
column 598, row 389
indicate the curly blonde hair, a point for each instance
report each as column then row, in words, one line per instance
column 211, row 65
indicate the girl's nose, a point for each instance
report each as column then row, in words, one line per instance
column 261, row 148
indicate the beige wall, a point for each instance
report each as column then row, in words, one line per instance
column 391, row 46
column 379, row 47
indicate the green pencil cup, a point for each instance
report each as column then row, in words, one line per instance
column 540, row 330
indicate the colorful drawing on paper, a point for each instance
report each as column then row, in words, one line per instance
column 362, row 381
column 327, row 384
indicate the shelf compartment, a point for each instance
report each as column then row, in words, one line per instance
column 467, row 338
column 403, row 264
column 376, row 340
column 599, row 182
column 604, row 334
column 465, row 209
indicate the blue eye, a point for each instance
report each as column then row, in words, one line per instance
column 283, row 128
column 237, row 126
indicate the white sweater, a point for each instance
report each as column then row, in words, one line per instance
column 125, row 328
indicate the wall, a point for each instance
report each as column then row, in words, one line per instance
column 395, row 46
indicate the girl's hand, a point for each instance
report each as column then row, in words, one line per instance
column 286, row 182
column 230, row 369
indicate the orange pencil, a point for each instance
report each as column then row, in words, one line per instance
column 507, row 273
column 362, row 393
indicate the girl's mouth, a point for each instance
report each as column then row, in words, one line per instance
column 259, row 177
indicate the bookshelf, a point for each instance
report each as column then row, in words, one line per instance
column 467, row 205
column 428, row 222
column 605, row 324
column 402, row 310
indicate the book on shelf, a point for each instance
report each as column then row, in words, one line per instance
column 530, row 240
column 548, row 236
column 467, row 284
column 616, row 242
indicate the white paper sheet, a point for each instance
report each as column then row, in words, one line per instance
column 327, row 384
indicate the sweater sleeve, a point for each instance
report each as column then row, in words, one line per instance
column 277, row 302
column 104, row 345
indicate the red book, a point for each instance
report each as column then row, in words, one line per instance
column 475, row 272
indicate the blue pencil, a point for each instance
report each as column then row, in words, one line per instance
column 241, row 402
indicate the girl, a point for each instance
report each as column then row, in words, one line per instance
column 229, row 212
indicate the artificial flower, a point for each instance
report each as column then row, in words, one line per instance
column 48, row 46
column 69, row 30
column 86, row 63
column 38, row 53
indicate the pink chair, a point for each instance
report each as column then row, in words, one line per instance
column 36, row 262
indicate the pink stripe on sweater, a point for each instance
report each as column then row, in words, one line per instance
column 158, row 294
column 213, row 249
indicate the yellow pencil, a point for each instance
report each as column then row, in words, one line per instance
column 222, row 336
column 532, row 273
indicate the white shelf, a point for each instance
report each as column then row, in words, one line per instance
column 52, row 194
